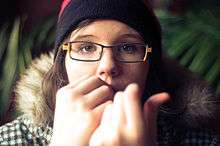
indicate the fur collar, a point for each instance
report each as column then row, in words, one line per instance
column 30, row 100
column 189, row 93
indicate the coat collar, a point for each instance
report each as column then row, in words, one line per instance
column 189, row 94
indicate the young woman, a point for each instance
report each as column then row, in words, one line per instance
column 105, row 85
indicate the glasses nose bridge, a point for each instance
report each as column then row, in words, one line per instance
column 107, row 46
column 110, row 48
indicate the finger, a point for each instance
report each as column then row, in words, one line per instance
column 73, row 84
column 132, row 104
column 150, row 112
column 98, row 96
column 97, row 137
column 153, row 103
column 102, row 110
column 107, row 115
column 66, row 92
column 89, row 84
column 118, row 116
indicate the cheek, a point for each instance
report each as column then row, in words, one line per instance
column 77, row 69
column 136, row 73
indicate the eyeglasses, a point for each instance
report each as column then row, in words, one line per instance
column 90, row 52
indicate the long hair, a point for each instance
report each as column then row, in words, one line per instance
column 56, row 77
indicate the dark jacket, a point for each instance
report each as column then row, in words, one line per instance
column 183, row 121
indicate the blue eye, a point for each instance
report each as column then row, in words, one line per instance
column 128, row 48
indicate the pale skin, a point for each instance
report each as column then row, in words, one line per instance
column 101, row 105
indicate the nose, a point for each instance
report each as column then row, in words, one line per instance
column 107, row 67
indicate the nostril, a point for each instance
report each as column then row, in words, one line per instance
column 103, row 76
column 107, row 78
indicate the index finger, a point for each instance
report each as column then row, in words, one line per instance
column 132, row 104
column 89, row 84
column 73, row 84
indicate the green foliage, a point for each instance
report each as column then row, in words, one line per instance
column 16, row 50
column 193, row 39
column 9, row 63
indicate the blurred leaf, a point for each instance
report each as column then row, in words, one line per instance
column 21, row 62
column 193, row 38
column 16, row 50
column 27, row 45
column 43, row 35
column 214, row 72
column 190, row 53
column 202, row 58
column 9, row 67
column 3, row 39
column 182, row 42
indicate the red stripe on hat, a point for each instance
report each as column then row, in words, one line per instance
column 63, row 6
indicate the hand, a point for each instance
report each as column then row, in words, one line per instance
column 125, row 123
column 150, row 115
column 79, row 108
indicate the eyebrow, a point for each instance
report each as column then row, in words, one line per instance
column 131, row 35
column 79, row 37
column 121, row 37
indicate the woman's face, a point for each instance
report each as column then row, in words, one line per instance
column 116, row 74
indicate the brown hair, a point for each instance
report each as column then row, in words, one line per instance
column 56, row 77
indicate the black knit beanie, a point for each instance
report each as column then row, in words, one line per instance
column 134, row 13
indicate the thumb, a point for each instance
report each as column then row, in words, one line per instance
column 153, row 103
column 150, row 113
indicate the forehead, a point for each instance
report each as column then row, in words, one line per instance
column 105, row 29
